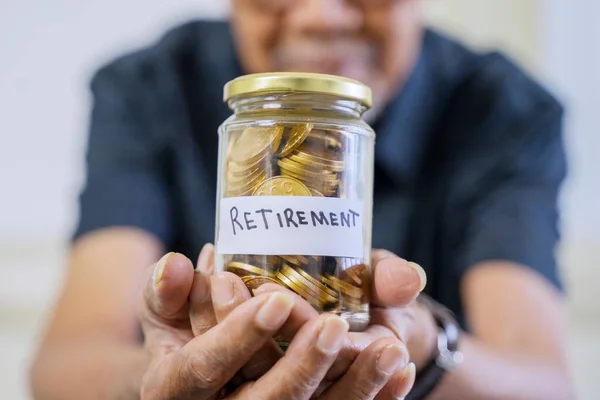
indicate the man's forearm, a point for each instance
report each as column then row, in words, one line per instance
column 490, row 374
column 95, row 370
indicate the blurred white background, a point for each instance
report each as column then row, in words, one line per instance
column 48, row 51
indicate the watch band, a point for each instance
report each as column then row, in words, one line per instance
column 446, row 356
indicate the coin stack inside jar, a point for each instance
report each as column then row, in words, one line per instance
column 296, row 160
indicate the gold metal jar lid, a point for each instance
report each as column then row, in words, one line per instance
column 278, row 82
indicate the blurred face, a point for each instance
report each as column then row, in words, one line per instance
column 374, row 41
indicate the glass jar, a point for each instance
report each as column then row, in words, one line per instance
column 295, row 189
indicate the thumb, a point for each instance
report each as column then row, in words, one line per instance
column 396, row 282
column 168, row 285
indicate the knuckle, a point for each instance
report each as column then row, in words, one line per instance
column 361, row 392
column 199, row 327
column 366, row 384
column 303, row 380
column 204, row 369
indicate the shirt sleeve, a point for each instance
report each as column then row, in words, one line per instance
column 510, row 209
column 125, row 181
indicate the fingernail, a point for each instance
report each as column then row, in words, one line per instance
column 408, row 374
column 275, row 310
column 160, row 267
column 409, row 371
column 422, row 274
column 390, row 359
column 206, row 259
column 332, row 334
column 222, row 290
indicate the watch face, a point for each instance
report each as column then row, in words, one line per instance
column 449, row 360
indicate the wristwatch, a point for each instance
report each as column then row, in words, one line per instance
column 446, row 356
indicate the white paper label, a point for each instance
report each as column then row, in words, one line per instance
column 289, row 225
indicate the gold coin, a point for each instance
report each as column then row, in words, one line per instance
column 254, row 282
column 300, row 259
column 297, row 136
column 326, row 139
column 342, row 286
column 354, row 275
column 318, row 184
column 241, row 170
column 306, row 155
column 281, row 186
column 245, row 191
column 295, row 260
column 268, row 262
column 327, row 189
column 242, row 269
column 315, row 193
column 286, row 163
column 303, row 259
column 288, row 273
column 299, row 290
column 315, row 282
column 232, row 139
column 254, row 142
column 301, row 280
column 303, row 175
column 242, row 185
column 241, row 177
column 313, row 162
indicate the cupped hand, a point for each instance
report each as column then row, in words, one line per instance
column 194, row 357
column 185, row 366
column 394, row 314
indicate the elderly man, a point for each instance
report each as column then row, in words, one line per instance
column 469, row 163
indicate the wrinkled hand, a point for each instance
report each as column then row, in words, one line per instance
column 193, row 357
column 394, row 314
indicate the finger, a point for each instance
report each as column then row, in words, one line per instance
column 228, row 292
column 166, row 292
column 298, row 374
column 371, row 371
column 301, row 313
column 209, row 361
column 354, row 344
column 396, row 282
column 201, row 315
column 206, row 260
column 400, row 385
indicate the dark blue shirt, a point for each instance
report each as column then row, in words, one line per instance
column 469, row 156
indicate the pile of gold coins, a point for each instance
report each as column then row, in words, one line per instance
column 285, row 161
column 322, row 289
column 296, row 160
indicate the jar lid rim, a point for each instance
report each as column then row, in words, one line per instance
column 277, row 82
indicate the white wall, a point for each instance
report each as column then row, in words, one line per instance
column 49, row 49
